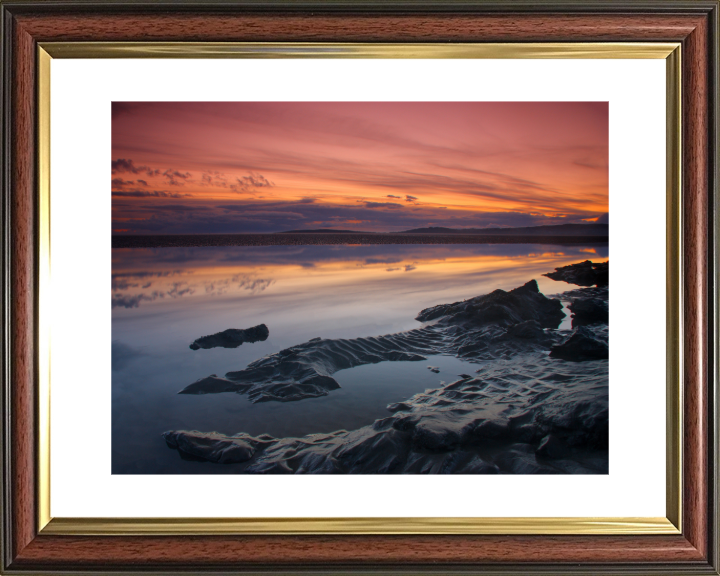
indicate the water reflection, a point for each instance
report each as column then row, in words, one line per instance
column 165, row 298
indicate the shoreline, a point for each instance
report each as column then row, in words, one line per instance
column 299, row 239
column 535, row 401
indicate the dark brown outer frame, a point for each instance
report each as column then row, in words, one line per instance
column 24, row 24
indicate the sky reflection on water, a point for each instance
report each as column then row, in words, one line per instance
column 165, row 298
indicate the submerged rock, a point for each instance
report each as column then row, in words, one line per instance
column 581, row 345
column 232, row 338
column 585, row 273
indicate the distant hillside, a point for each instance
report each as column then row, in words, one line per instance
column 324, row 231
column 554, row 230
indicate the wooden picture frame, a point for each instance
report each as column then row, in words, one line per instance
column 29, row 547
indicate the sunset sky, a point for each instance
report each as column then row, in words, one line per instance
column 234, row 167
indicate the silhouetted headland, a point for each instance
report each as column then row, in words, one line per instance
column 564, row 234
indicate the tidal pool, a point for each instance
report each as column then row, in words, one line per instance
column 163, row 299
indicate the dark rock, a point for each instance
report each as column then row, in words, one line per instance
column 551, row 447
column 471, row 349
column 528, row 330
column 580, row 346
column 499, row 308
column 232, row 338
column 523, row 412
column 478, row 466
column 434, row 435
column 519, row 461
column 588, row 311
column 377, row 453
column 397, row 407
column 459, row 462
column 585, row 273
column 490, row 430
column 405, row 422
column 468, row 329
column 312, row 386
column 498, row 422
column 211, row 385
column 214, row 447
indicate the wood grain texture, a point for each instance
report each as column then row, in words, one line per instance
column 217, row 552
column 22, row 292
column 696, row 310
column 687, row 551
column 357, row 28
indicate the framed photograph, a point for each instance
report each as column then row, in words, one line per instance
column 358, row 258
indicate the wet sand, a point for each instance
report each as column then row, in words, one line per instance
column 537, row 403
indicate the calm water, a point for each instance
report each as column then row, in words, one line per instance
column 165, row 298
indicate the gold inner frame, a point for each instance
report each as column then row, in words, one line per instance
column 671, row 524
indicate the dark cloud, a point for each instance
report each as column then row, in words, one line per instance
column 123, row 165
column 409, row 268
column 123, row 284
column 176, row 178
column 409, row 198
column 214, row 178
column 180, row 208
column 148, row 216
column 388, row 205
column 249, row 213
column 127, row 166
column 393, row 196
column 147, row 194
column 382, row 260
column 120, row 183
column 251, row 183
column 604, row 219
